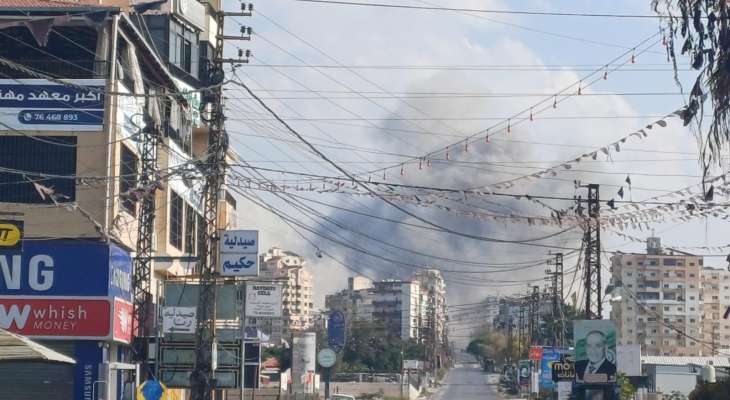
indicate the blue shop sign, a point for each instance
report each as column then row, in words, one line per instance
column 88, row 356
column 71, row 268
column 43, row 94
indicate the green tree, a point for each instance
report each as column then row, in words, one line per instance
column 626, row 389
column 711, row 391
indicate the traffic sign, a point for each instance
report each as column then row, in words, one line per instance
column 336, row 331
column 326, row 358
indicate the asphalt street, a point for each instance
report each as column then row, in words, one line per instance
column 468, row 382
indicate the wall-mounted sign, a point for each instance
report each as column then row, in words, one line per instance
column 239, row 253
column 263, row 300
column 11, row 233
column 67, row 288
column 70, row 318
column 179, row 319
column 66, row 268
column 42, row 105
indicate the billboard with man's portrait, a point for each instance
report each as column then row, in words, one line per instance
column 595, row 351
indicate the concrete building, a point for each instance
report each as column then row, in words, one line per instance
column 397, row 306
column 356, row 302
column 716, row 299
column 661, row 287
column 432, row 304
column 297, row 291
column 71, row 157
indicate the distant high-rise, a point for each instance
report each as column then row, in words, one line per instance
column 297, row 297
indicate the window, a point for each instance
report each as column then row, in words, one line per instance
column 666, row 274
column 691, row 275
column 652, row 262
column 669, row 261
column 189, row 229
column 36, row 155
column 184, row 47
column 691, row 320
column 128, row 179
column 629, row 263
column 176, row 220
column 691, row 297
column 691, row 264
column 666, row 308
column 629, row 274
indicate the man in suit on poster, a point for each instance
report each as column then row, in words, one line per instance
column 597, row 363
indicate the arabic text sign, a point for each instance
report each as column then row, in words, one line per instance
column 239, row 253
column 263, row 300
column 89, row 318
column 178, row 319
column 42, row 105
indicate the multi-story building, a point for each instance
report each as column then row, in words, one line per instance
column 409, row 310
column 716, row 299
column 433, row 304
column 85, row 83
column 356, row 302
column 297, row 291
column 663, row 295
column 397, row 307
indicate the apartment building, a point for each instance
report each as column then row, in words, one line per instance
column 410, row 310
column 661, row 297
column 433, row 303
column 397, row 307
column 716, row 299
column 297, row 291
column 70, row 157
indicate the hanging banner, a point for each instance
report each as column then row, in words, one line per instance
column 42, row 105
column 336, row 331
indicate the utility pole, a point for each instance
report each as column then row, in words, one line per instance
column 592, row 256
column 141, row 281
column 521, row 328
column 510, row 339
column 556, row 278
column 202, row 379
column 534, row 316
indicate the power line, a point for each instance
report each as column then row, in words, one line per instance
column 482, row 10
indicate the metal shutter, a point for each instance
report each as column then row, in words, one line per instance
column 34, row 380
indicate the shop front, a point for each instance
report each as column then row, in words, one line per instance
column 75, row 297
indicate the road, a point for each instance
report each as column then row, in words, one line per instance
column 468, row 382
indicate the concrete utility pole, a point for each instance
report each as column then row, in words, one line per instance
column 592, row 256
column 556, row 278
column 202, row 379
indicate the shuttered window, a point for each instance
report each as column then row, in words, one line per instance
column 190, row 229
column 42, row 159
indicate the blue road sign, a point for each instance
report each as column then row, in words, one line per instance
column 336, row 331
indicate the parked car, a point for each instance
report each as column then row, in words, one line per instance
column 342, row 397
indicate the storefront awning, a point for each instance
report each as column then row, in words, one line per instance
column 19, row 348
